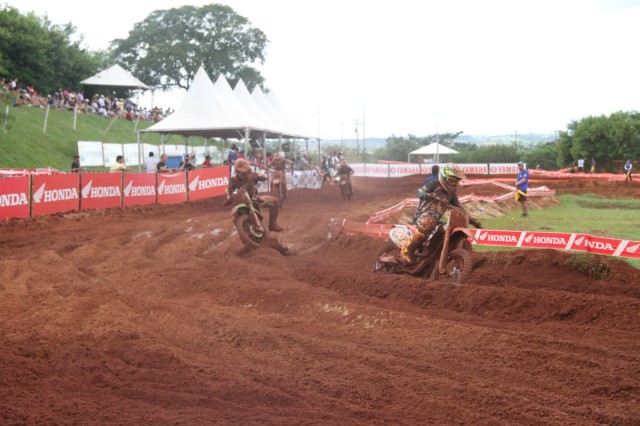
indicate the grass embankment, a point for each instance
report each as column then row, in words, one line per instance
column 585, row 213
column 25, row 145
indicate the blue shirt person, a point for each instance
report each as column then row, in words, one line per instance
column 522, row 184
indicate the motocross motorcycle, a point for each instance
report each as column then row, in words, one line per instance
column 277, row 185
column 345, row 188
column 445, row 255
column 248, row 220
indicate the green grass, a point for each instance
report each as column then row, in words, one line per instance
column 585, row 213
column 25, row 145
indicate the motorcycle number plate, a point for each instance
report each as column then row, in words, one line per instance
column 400, row 235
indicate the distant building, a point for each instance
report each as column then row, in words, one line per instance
column 490, row 143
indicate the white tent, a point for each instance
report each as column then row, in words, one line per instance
column 434, row 149
column 259, row 98
column 275, row 103
column 115, row 76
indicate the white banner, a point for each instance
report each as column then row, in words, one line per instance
column 503, row 168
column 109, row 153
column 399, row 170
column 475, row 169
column 306, row 179
column 370, row 170
column 175, row 150
column 131, row 156
column 90, row 153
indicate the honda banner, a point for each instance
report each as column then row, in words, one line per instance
column 14, row 197
column 55, row 194
column 172, row 188
column 101, row 190
column 206, row 183
column 139, row 189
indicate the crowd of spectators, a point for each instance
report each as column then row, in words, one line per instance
column 64, row 99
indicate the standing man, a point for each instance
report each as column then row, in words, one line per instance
column 75, row 165
column 580, row 165
column 118, row 166
column 151, row 163
column 593, row 165
column 522, row 184
column 627, row 171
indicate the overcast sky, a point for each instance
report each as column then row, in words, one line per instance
column 414, row 67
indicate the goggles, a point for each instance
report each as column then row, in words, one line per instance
column 453, row 181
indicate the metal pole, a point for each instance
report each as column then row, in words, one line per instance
column 437, row 145
column 46, row 117
column 75, row 114
column 364, row 150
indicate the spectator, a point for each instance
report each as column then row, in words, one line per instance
column 187, row 164
column 301, row 164
column 580, row 165
column 162, row 165
column 627, row 171
column 207, row 162
column 75, row 165
column 522, row 184
column 151, row 163
column 118, row 166
column 593, row 165
column 435, row 169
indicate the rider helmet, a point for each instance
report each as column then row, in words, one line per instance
column 450, row 176
column 344, row 163
column 277, row 156
column 242, row 167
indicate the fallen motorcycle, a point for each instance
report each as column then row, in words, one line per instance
column 445, row 255
column 248, row 220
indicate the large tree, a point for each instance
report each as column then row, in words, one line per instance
column 41, row 54
column 167, row 48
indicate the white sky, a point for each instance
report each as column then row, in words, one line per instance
column 414, row 66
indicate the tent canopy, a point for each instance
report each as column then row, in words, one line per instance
column 209, row 111
column 433, row 149
column 115, row 76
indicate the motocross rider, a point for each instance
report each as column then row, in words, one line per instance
column 437, row 196
column 248, row 179
column 279, row 163
column 344, row 173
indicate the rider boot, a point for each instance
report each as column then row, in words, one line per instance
column 406, row 255
column 273, row 218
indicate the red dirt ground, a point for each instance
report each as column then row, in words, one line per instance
column 157, row 316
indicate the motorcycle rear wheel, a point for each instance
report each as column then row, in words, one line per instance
column 457, row 269
column 249, row 235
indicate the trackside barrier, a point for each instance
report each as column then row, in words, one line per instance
column 14, row 197
column 25, row 193
column 541, row 191
column 524, row 239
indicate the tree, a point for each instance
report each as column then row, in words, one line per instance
column 609, row 139
column 41, row 54
column 167, row 48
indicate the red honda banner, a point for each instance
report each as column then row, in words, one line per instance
column 14, row 197
column 139, row 189
column 101, row 190
column 55, row 194
column 206, row 183
column 172, row 188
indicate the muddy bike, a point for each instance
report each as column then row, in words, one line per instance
column 248, row 220
column 346, row 190
column 444, row 256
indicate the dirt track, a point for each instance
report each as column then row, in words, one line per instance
column 156, row 316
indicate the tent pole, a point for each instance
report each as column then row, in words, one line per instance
column 163, row 136
column 140, row 155
column 247, row 132
column 264, row 150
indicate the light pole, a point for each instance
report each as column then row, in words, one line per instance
column 318, row 162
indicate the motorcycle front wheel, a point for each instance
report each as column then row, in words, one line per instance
column 457, row 269
column 249, row 234
column 389, row 249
